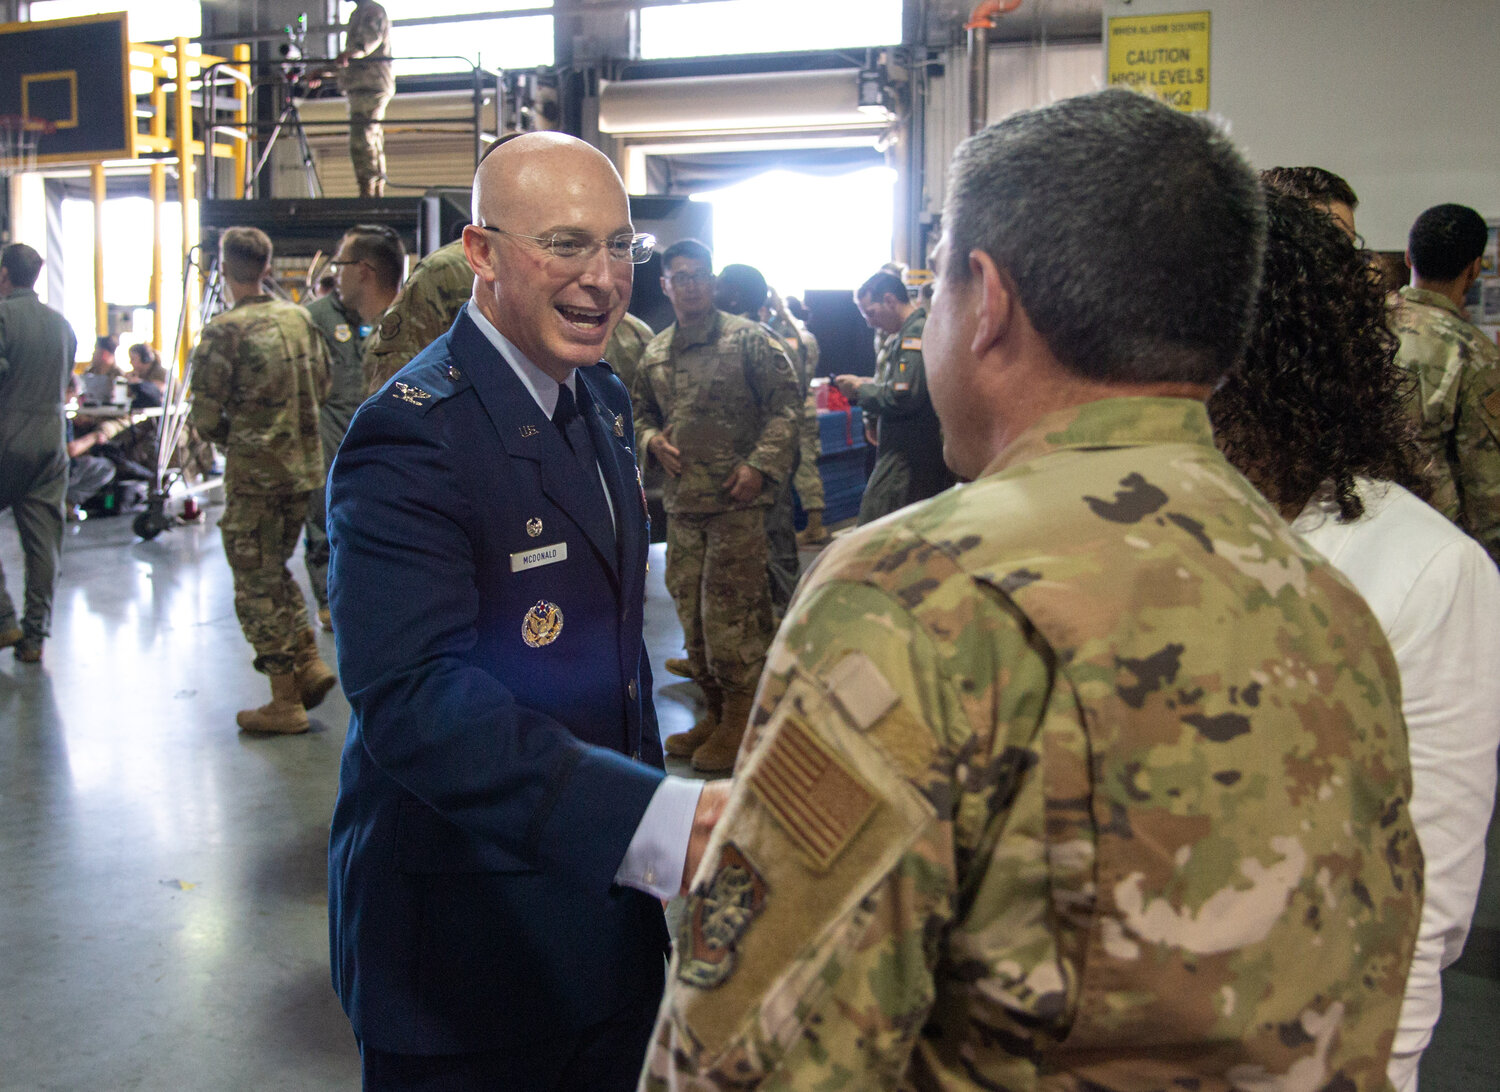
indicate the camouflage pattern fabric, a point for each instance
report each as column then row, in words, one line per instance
column 1087, row 777
column 367, row 135
column 726, row 396
column 1457, row 408
column 716, row 574
column 439, row 286
column 806, row 480
column 909, row 466
column 626, row 345
column 260, row 533
column 259, row 371
column 367, row 39
column 340, row 329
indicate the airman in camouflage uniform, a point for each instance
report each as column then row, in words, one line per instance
column 1088, row 776
column 439, row 286
column 258, row 373
column 1457, row 407
column 715, row 399
column 806, row 480
column 625, row 347
column 366, row 80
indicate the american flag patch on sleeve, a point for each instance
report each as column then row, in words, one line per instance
column 812, row 793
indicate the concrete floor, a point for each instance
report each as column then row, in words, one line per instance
column 162, row 911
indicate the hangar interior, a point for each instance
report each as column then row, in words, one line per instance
column 165, row 915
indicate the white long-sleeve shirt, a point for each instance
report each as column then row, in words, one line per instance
column 1436, row 594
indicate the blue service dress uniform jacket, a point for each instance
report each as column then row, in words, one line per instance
column 503, row 744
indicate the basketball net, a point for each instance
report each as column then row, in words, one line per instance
column 18, row 142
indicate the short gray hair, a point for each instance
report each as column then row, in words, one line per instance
column 1133, row 234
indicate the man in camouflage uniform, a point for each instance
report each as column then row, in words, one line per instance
column 742, row 291
column 909, row 465
column 1457, row 398
column 439, row 286
column 365, row 79
column 367, row 269
column 715, row 404
column 1089, row 775
column 258, row 373
column 807, row 482
column 37, row 347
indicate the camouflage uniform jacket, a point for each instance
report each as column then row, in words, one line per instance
column 367, row 39
column 804, row 347
column 340, row 328
column 258, row 372
column 1087, row 777
column 1457, row 406
column 725, row 394
column 439, row 286
column 625, row 347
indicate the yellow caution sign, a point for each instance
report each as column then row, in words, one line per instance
column 1162, row 55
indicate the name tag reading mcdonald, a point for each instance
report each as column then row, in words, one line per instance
column 535, row 559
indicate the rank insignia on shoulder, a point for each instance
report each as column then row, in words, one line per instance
column 542, row 624
column 528, row 431
column 619, row 426
column 413, row 395
column 718, row 916
column 911, row 343
column 534, row 526
column 342, row 333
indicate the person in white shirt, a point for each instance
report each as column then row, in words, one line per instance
column 1314, row 417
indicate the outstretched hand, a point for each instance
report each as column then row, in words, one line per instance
column 710, row 807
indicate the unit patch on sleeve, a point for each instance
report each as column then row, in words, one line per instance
column 819, row 801
column 719, row 915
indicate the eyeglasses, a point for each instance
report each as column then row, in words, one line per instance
column 690, row 280
column 577, row 247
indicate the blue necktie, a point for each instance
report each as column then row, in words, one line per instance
column 575, row 432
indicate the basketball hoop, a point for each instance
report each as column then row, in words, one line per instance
column 18, row 142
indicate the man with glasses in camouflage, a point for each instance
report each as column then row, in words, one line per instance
column 504, row 831
column 717, row 405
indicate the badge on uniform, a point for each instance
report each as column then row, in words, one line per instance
column 911, row 343
column 534, row 526
column 414, row 395
column 528, row 431
column 535, row 559
column 341, row 332
column 719, row 915
column 619, row 426
column 542, row 624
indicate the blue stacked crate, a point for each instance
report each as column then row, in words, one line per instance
column 842, row 464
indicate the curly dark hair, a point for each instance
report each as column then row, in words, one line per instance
column 1318, row 397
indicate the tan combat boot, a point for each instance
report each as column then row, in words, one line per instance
column 683, row 744
column 717, row 755
column 814, row 534
column 283, row 715
column 314, row 677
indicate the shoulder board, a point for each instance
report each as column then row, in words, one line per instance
column 423, row 387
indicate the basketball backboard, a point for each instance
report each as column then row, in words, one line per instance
column 74, row 73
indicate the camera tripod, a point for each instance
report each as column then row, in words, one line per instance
column 290, row 121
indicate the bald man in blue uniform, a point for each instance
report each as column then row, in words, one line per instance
column 504, row 831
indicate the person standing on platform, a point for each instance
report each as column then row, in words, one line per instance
column 259, row 370
column 366, row 80
column 1090, row 774
column 504, row 831
column 1456, row 402
column 909, row 464
column 716, row 405
column 367, row 269
column 37, row 347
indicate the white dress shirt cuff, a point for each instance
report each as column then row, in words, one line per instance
column 653, row 861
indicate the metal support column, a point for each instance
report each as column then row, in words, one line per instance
column 186, row 188
column 101, row 307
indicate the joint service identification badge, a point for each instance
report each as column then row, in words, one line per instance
column 542, row 624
